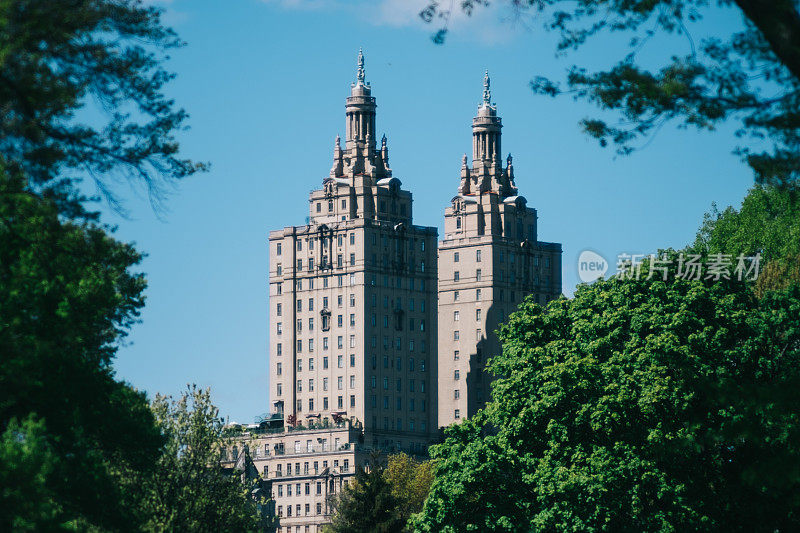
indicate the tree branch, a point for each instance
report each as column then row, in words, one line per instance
column 779, row 23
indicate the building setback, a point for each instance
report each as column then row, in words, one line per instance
column 378, row 336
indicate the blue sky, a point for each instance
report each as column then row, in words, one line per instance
column 265, row 82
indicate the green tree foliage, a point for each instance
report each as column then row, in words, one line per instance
column 410, row 481
column 58, row 56
column 767, row 223
column 67, row 298
column 26, row 461
column 367, row 503
column 191, row 491
column 636, row 406
column 751, row 77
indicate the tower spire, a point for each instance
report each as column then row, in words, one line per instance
column 360, row 74
column 487, row 93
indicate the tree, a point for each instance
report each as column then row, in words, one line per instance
column 366, row 503
column 59, row 56
column 191, row 491
column 26, row 462
column 639, row 405
column 751, row 77
column 768, row 223
column 68, row 296
column 410, row 482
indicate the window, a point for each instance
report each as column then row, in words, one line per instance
column 352, row 300
column 352, row 360
column 299, row 385
column 279, row 369
column 456, row 355
column 339, row 361
column 458, row 222
column 352, row 238
column 456, row 375
column 352, row 259
column 310, row 345
column 455, row 335
column 477, row 314
column 340, row 402
column 478, row 256
column 455, row 296
column 352, row 320
column 279, row 310
column 280, row 389
column 478, row 334
column 324, row 383
column 456, row 316
column 372, row 381
column 456, row 394
column 279, row 328
column 352, row 404
column 339, row 383
column 340, row 341
column 340, row 320
column 278, row 251
column 325, row 402
column 280, row 348
column 478, row 274
column 457, row 414
column 299, row 264
column 477, row 294
column 339, row 262
column 455, row 257
column 352, row 341
column 456, row 275
column 311, row 365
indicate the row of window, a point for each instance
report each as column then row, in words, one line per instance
column 390, row 424
column 412, row 384
column 478, row 334
column 381, row 206
column 339, row 384
column 501, row 258
column 457, row 315
column 412, row 243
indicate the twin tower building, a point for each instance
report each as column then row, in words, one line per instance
column 379, row 333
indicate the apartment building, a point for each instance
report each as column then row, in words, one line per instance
column 378, row 333
column 489, row 260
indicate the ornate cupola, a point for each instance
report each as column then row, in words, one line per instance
column 360, row 111
column 486, row 130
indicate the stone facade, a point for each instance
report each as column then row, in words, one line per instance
column 379, row 334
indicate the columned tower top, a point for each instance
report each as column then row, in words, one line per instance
column 486, row 173
column 360, row 110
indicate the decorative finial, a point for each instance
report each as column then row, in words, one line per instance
column 383, row 141
column 464, row 161
column 338, row 142
column 508, row 159
column 487, row 94
column 360, row 77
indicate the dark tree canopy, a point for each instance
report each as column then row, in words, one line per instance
column 67, row 298
column 62, row 60
column 751, row 77
column 636, row 406
column 366, row 503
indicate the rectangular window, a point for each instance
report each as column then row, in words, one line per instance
column 457, row 414
column 477, row 314
column 456, row 375
column 352, row 341
column 478, row 256
column 352, row 404
column 478, row 274
column 455, row 296
column 352, row 360
column 352, row 259
column 455, row 257
column 456, row 394
column 279, row 249
column 456, row 316
column 455, row 335
column 280, row 348
column 456, row 276
column 339, row 382
column 279, row 310
column 352, row 320
column 352, row 382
